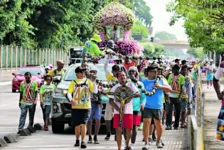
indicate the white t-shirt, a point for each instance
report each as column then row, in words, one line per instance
column 219, row 73
column 128, row 108
column 210, row 69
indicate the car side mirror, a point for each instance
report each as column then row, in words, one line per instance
column 13, row 74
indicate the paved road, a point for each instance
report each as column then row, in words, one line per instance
column 9, row 118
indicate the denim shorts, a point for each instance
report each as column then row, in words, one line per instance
column 96, row 111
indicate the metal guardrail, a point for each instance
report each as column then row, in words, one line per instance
column 196, row 120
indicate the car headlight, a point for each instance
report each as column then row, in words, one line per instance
column 58, row 92
column 15, row 79
column 56, row 107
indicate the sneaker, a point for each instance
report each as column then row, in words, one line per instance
column 146, row 147
column 132, row 146
column 19, row 132
column 150, row 141
column 108, row 136
column 168, row 128
column 175, row 128
column 96, row 140
column 90, row 140
column 140, row 127
column 77, row 143
column 159, row 144
column 83, row 144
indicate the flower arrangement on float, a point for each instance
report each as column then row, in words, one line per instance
column 115, row 14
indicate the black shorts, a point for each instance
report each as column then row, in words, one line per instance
column 153, row 113
column 80, row 116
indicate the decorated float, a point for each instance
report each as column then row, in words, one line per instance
column 120, row 20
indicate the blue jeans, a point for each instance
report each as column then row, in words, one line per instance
column 46, row 109
column 22, row 120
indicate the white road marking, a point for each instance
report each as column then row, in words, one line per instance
column 5, row 83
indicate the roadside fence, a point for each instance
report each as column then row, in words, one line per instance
column 14, row 56
column 196, row 119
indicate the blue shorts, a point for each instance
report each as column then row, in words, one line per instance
column 209, row 77
column 96, row 111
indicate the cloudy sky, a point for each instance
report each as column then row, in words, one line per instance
column 161, row 19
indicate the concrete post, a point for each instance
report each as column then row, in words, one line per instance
column 1, row 56
column 6, row 57
column 16, row 57
column 11, row 57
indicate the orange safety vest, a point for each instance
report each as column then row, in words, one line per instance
column 28, row 98
column 174, row 84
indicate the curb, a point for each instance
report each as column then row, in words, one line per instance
column 13, row 138
column 3, row 143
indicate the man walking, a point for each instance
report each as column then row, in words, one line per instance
column 127, row 120
column 28, row 95
column 154, row 104
column 79, row 95
column 176, row 81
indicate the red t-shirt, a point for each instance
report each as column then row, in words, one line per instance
column 128, row 65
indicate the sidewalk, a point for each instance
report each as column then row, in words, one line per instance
column 212, row 107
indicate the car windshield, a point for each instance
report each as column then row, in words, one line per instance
column 70, row 73
column 33, row 71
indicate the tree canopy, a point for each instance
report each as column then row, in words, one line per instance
column 204, row 22
column 165, row 36
column 139, row 29
column 49, row 23
column 142, row 12
column 196, row 52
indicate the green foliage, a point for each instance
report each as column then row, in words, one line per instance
column 204, row 22
column 165, row 36
column 142, row 12
column 152, row 49
column 53, row 23
column 139, row 29
column 196, row 52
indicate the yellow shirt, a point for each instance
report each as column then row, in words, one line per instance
column 110, row 77
column 58, row 73
column 81, row 93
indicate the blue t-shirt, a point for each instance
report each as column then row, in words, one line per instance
column 155, row 101
column 138, row 101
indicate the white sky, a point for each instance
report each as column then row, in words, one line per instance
column 161, row 19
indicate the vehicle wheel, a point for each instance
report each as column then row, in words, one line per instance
column 57, row 127
column 13, row 91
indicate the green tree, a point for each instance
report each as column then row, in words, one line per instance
column 204, row 22
column 165, row 36
column 152, row 49
column 142, row 12
column 139, row 29
column 196, row 52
